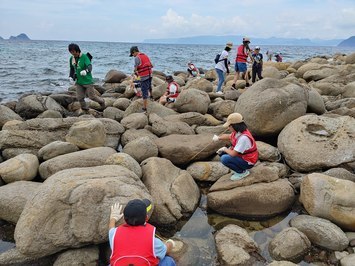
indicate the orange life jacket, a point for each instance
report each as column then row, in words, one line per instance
column 251, row 155
column 145, row 67
column 134, row 245
column 241, row 55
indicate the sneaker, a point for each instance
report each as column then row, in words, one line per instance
column 219, row 92
column 238, row 176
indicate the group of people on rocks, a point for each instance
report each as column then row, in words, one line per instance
column 134, row 242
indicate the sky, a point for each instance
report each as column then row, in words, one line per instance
column 136, row 20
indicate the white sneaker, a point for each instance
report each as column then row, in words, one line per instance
column 238, row 176
column 219, row 92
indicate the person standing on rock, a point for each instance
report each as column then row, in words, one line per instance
column 243, row 154
column 257, row 67
column 134, row 242
column 143, row 69
column 80, row 71
column 243, row 52
column 222, row 66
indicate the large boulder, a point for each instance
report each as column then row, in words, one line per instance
column 13, row 198
column 87, row 134
column 182, row 149
column 270, row 98
column 72, row 208
column 36, row 133
column 314, row 142
column 23, row 167
column 315, row 102
column 192, row 100
column 207, row 171
column 164, row 127
column 141, row 149
column 6, row 114
column 84, row 158
column 222, row 109
column 175, row 194
column 32, row 105
column 329, row 198
column 78, row 257
column 133, row 134
column 114, row 76
column 125, row 160
column 200, row 84
column 259, row 200
column 136, row 120
column 194, row 118
column 321, row 232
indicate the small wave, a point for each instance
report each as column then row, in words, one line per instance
column 49, row 71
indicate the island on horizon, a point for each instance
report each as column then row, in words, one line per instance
column 20, row 37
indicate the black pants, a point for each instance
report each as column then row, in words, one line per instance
column 256, row 70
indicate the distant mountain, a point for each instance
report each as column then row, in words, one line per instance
column 1, row 38
column 350, row 42
column 221, row 40
column 20, row 37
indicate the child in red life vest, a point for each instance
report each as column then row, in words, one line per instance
column 243, row 154
column 134, row 242
column 171, row 93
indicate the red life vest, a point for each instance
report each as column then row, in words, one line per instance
column 241, row 55
column 134, row 245
column 171, row 94
column 192, row 67
column 145, row 67
column 251, row 155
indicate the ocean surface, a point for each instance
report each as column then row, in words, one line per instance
column 43, row 66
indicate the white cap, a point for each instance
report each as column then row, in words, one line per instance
column 257, row 48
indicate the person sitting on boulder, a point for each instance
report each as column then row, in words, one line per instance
column 171, row 93
column 243, row 154
column 134, row 242
column 278, row 58
column 193, row 70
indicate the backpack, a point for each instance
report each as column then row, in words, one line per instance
column 89, row 55
column 216, row 59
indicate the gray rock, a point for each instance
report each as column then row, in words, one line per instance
column 50, row 114
column 174, row 191
column 6, row 114
column 84, row 158
column 71, row 209
column 207, row 171
column 122, row 103
column 348, row 260
column 55, row 149
column 141, row 149
column 77, row 257
column 113, row 113
column 329, row 198
column 314, row 142
column 136, row 120
column 268, row 152
column 23, row 167
column 125, row 160
column 164, row 127
column 290, row 244
column 321, row 232
column 133, row 134
column 192, row 100
column 13, row 198
column 340, row 173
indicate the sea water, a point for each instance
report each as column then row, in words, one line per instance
column 43, row 66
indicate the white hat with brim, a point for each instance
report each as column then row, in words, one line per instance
column 229, row 44
column 234, row 118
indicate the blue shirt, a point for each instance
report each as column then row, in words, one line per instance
column 159, row 246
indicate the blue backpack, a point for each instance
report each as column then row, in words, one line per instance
column 216, row 59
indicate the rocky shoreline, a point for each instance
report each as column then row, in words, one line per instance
column 62, row 169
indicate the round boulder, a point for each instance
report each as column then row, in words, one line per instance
column 23, row 167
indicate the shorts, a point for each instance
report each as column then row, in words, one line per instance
column 146, row 87
column 240, row 67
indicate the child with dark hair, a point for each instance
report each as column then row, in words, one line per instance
column 243, row 153
column 134, row 242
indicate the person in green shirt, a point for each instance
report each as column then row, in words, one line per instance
column 80, row 71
